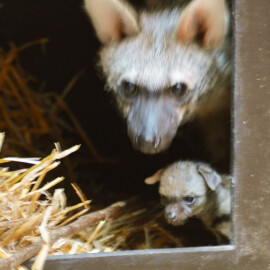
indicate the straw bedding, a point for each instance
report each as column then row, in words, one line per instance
column 34, row 215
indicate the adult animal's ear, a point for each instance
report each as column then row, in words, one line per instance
column 112, row 19
column 212, row 179
column 154, row 178
column 204, row 21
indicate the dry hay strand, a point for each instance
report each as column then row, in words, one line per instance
column 27, row 208
column 33, row 221
column 31, row 118
column 138, row 227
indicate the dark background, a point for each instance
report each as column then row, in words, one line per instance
column 73, row 47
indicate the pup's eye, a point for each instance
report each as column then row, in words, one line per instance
column 189, row 200
column 128, row 89
column 179, row 89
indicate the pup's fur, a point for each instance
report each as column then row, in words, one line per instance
column 164, row 65
column 190, row 189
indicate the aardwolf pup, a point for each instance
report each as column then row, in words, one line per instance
column 164, row 64
column 189, row 189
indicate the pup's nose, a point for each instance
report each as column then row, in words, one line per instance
column 145, row 142
column 171, row 215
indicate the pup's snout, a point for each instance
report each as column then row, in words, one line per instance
column 175, row 215
column 147, row 142
column 171, row 215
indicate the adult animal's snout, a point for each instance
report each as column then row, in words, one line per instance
column 152, row 124
column 147, row 142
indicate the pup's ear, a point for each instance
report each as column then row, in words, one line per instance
column 112, row 19
column 154, row 178
column 203, row 20
column 212, row 179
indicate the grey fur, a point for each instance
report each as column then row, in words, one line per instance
column 155, row 60
column 184, row 179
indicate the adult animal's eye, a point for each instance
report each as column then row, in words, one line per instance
column 179, row 89
column 189, row 199
column 128, row 90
